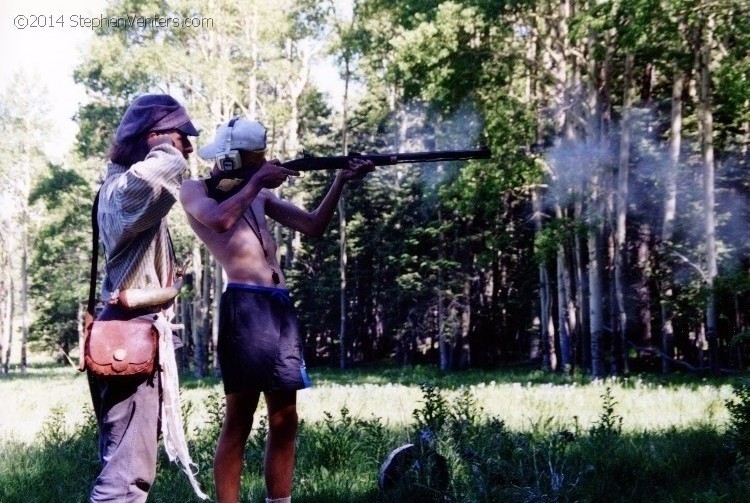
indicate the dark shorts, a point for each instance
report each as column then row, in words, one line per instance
column 259, row 342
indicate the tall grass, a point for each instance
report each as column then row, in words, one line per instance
column 506, row 437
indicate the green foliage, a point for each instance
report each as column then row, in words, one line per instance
column 338, row 442
column 113, row 86
column 739, row 423
column 198, row 65
column 255, row 451
column 436, row 60
column 653, row 466
column 59, row 272
column 206, row 437
column 450, row 57
column 341, row 457
column 434, row 414
column 97, row 124
column 552, row 238
column 733, row 93
column 609, row 424
column 60, row 466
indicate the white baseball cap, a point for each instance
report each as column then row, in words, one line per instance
column 238, row 133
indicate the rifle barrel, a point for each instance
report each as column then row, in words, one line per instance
column 312, row 163
column 446, row 155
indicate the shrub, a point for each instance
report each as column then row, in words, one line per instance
column 739, row 419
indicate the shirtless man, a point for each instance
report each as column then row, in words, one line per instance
column 259, row 345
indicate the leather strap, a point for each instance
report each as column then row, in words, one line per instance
column 89, row 316
column 256, row 231
column 94, row 256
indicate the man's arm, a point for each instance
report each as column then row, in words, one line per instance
column 314, row 223
column 220, row 217
column 147, row 191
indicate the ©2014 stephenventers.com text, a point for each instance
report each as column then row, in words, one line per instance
column 50, row 21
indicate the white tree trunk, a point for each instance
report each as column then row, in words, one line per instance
column 621, row 209
column 707, row 154
column 670, row 212
column 596, row 284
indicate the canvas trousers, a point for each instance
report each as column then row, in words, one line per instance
column 127, row 413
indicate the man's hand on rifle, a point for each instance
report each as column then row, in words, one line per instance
column 271, row 174
column 357, row 170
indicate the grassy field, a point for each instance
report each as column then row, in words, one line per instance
column 507, row 436
column 524, row 401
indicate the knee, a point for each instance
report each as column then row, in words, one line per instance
column 233, row 436
column 283, row 423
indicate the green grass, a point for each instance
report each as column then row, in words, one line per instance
column 510, row 436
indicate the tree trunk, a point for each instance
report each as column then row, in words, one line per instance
column 8, row 321
column 179, row 317
column 206, row 309
column 343, row 344
column 644, row 286
column 582, row 292
column 6, row 282
column 218, row 287
column 595, row 124
column 707, row 154
column 596, row 283
column 623, row 173
column 596, row 214
column 251, row 35
column 295, row 88
column 546, row 323
column 198, row 311
column 670, row 211
column 464, row 345
column 442, row 332
column 24, row 290
column 565, row 307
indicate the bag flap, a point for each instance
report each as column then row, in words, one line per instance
column 132, row 341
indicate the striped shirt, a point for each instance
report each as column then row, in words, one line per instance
column 133, row 206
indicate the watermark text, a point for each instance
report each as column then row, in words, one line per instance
column 52, row 21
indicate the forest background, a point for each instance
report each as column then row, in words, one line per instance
column 605, row 235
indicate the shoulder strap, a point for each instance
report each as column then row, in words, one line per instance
column 88, row 319
column 94, row 256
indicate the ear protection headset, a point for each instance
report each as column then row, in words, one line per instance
column 229, row 159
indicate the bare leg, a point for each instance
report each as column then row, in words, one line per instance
column 282, row 433
column 230, row 451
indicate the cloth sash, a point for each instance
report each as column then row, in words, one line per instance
column 172, row 426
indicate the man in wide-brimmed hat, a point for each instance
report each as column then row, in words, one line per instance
column 148, row 158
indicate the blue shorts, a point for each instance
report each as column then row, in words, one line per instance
column 259, row 342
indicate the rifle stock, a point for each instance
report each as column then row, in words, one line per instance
column 226, row 184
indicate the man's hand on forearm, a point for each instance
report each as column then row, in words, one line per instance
column 357, row 170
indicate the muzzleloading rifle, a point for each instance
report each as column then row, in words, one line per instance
column 228, row 183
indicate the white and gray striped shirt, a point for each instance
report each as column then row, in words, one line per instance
column 133, row 205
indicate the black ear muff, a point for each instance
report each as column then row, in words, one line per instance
column 229, row 159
